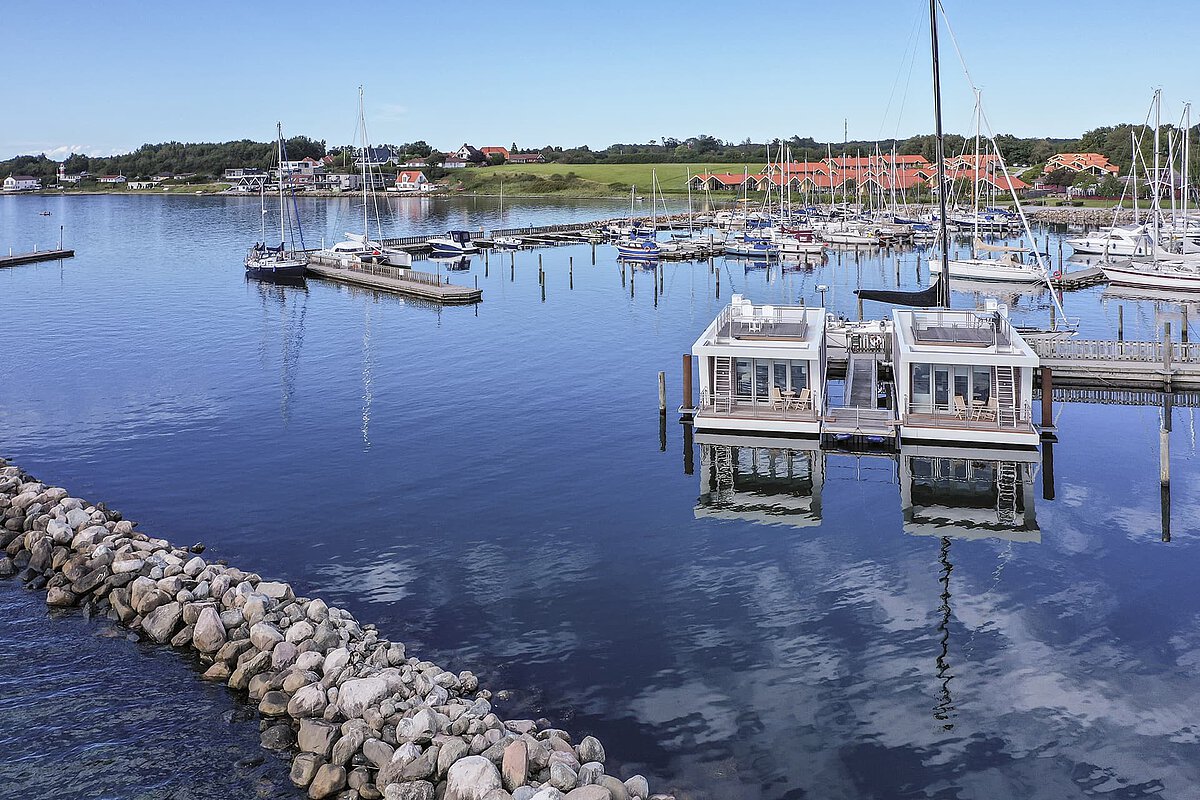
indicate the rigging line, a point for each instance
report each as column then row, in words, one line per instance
column 908, row 48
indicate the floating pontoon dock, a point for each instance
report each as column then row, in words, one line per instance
column 425, row 285
column 12, row 260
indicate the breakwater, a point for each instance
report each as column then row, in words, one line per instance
column 360, row 717
column 1082, row 216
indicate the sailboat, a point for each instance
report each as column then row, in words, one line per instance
column 358, row 248
column 272, row 262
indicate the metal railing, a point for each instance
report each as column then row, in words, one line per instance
column 974, row 416
column 990, row 321
column 397, row 273
column 744, row 407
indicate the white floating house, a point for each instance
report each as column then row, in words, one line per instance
column 963, row 377
column 762, row 370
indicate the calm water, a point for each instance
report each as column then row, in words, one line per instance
column 490, row 486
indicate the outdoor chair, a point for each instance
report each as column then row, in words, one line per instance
column 804, row 399
column 777, row 401
column 960, row 407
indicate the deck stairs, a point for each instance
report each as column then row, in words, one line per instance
column 856, row 412
column 1006, row 400
column 723, row 383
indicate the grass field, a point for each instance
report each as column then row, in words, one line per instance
column 672, row 178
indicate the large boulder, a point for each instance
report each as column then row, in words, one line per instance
column 471, row 778
column 328, row 781
column 209, row 634
column 359, row 694
column 161, row 623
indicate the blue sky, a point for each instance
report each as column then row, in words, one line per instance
column 107, row 77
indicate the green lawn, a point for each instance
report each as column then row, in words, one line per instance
column 672, row 178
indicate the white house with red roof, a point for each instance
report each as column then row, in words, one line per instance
column 495, row 151
column 21, row 183
column 410, row 180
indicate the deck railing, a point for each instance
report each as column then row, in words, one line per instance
column 1103, row 350
column 974, row 416
column 746, row 408
column 397, row 273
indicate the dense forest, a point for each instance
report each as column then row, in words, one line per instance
column 209, row 160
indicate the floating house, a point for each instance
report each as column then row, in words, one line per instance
column 762, row 369
column 944, row 376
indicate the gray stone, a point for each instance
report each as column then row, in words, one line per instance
column 209, row 635
column 77, row 517
column 276, row 590
column 304, row 768
column 335, row 659
column 345, row 747
column 524, row 793
column 283, row 655
column 316, row 736
column 240, row 677
column 194, row 566
column 378, row 752
column 413, row 790
column 309, row 701
column 328, row 780
column 265, row 636
column 547, row 793
column 452, row 750
column 562, row 777
column 160, row 625
column 471, row 778
column 590, row 749
column 590, row 773
column 614, row 786
column 317, row 611
column 278, row 737
column 354, row 696
column 637, row 786
column 60, row 597
column 422, row 767
column 299, row 631
column 589, row 793
column 273, row 704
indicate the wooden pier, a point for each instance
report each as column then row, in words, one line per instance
column 400, row 280
column 13, row 260
column 1119, row 364
column 1078, row 279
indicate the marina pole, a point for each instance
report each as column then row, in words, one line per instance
column 689, row 465
column 1048, row 468
column 1164, row 466
column 687, row 381
column 60, row 237
column 1047, row 400
column 1120, row 323
column 571, row 270
column 1168, row 346
column 1183, row 323
column 662, row 393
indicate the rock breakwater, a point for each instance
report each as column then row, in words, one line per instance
column 359, row 716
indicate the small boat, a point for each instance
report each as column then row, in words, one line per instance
column 453, row 243
column 44, row 213
column 1179, row 276
column 506, row 242
column 637, row 247
column 277, row 262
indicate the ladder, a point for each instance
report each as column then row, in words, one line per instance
column 1006, row 401
column 723, row 383
column 1006, row 492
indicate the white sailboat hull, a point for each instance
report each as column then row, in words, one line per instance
column 1163, row 277
column 988, row 269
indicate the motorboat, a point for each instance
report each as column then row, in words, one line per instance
column 1125, row 240
column 637, row 247
column 453, row 243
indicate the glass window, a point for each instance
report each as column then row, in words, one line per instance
column 941, row 386
column 762, row 381
column 920, row 379
column 799, row 375
column 962, row 382
column 744, row 387
column 981, row 384
column 781, row 375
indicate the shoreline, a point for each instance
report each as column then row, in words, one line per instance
column 360, row 717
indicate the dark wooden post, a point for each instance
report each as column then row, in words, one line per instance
column 1047, row 399
column 687, row 381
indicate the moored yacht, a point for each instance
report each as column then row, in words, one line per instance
column 458, row 243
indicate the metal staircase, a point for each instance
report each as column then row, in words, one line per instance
column 1006, row 401
column 723, row 383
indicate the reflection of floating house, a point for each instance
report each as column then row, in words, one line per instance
column 946, row 491
column 963, row 377
column 772, row 481
column 761, row 369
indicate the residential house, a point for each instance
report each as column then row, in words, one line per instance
column 470, row 154
column 1094, row 163
column 339, row 182
column 526, row 158
column 21, row 183
column 494, row 151
column 111, row 179
column 728, row 181
column 454, row 162
column 411, row 181
column 63, row 177
column 233, row 174
column 305, row 172
column 415, row 163
column 142, row 184
column 375, row 156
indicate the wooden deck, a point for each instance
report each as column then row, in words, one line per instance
column 35, row 256
column 401, row 281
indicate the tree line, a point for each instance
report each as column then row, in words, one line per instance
column 210, row 160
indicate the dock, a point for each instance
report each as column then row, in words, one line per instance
column 1099, row 363
column 13, row 260
column 400, row 280
column 1078, row 279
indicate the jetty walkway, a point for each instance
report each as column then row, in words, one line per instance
column 359, row 715
column 12, row 260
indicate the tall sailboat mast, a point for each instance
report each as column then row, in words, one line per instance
column 362, row 121
column 939, row 155
column 279, row 147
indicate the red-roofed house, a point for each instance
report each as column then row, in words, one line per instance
column 410, row 180
column 1094, row 163
column 491, row 151
column 723, row 180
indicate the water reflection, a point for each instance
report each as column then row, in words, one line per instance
column 775, row 482
column 286, row 299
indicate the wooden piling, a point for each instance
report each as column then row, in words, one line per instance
column 593, row 254
column 687, row 381
column 1047, row 399
column 1183, row 324
column 1060, row 256
column 662, row 393
column 860, row 309
column 1120, row 323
